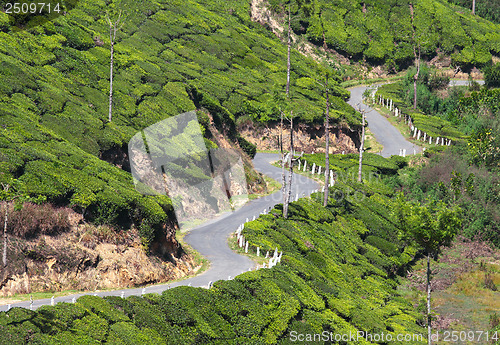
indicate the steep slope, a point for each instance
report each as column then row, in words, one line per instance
column 337, row 276
column 170, row 58
column 381, row 31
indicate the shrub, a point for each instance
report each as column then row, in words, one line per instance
column 31, row 219
column 102, row 308
column 492, row 76
column 247, row 147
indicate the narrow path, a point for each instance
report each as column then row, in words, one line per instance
column 385, row 133
column 211, row 240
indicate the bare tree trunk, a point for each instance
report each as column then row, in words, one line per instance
column 327, row 143
column 111, row 77
column 473, row 7
column 288, row 67
column 429, row 327
column 361, row 148
column 417, row 59
column 283, row 184
column 415, row 77
column 113, row 28
column 4, row 256
column 290, row 170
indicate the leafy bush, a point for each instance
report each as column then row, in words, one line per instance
column 382, row 32
column 334, row 276
column 492, row 76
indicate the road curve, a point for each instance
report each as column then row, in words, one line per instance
column 385, row 133
column 210, row 240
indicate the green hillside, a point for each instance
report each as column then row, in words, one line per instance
column 338, row 275
column 170, row 57
column 381, row 31
column 489, row 9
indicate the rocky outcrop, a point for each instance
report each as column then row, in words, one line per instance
column 89, row 258
column 307, row 138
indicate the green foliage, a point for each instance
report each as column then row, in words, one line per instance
column 91, row 325
column 433, row 113
column 488, row 9
column 102, row 308
column 169, row 58
column 492, row 76
column 431, row 226
column 337, row 274
column 381, row 31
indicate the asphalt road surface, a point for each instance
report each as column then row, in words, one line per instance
column 385, row 133
column 210, row 240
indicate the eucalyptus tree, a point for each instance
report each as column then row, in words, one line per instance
column 114, row 26
column 430, row 227
column 362, row 145
column 417, row 57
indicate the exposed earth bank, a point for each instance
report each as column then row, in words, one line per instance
column 90, row 258
column 306, row 138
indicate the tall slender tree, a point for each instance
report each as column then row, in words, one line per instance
column 473, row 7
column 327, row 124
column 6, row 189
column 362, row 146
column 431, row 227
column 287, row 93
column 327, row 140
column 417, row 57
column 290, row 161
column 287, row 183
column 113, row 29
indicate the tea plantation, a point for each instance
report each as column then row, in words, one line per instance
column 381, row 31
column 169, row 57
column 338, row 274
column 434, row 126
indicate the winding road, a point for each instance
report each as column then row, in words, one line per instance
column 210, row 240
column 385, row 133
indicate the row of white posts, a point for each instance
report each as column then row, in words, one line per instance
column 416, row 133
column 317, row 171
column 243, row 243
column 73, row 300
column 276, row 258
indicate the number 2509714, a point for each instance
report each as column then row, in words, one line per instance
column 31, row 8
column 470, row 336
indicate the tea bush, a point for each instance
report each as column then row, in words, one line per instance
column 336, row 275
column 381, row 31
column 170, row 58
